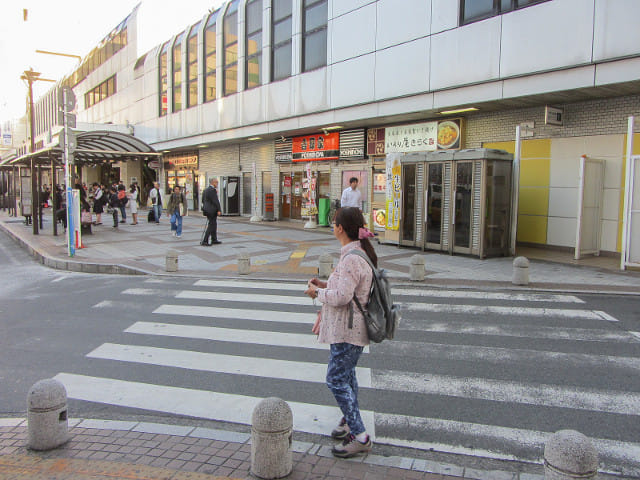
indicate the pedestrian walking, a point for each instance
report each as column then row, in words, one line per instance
column 156, row 201
column 211, row 209
column 177, row 207
column 341, row 325
column 133, row 203
column 351, row 196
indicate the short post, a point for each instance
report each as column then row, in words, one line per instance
column 520, row 271
column 416, row 269
column 271, row 431
column 172, row 261
column 47, row 415
column 569, row 454
column 325, row 265
column 244, row 264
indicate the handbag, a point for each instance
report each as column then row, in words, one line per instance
column 181, row 209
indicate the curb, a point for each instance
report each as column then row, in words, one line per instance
column 311, row 448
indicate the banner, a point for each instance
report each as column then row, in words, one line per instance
column 316, row 147
column 394, row 191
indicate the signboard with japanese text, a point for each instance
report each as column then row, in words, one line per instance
column 417, row 137
column 316, row 147
column 183, row 161
column 394, row 191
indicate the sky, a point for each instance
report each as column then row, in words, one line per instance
column 75, row 27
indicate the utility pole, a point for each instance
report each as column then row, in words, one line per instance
column 30, row 76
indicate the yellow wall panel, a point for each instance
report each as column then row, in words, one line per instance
column 533, row 201
column 532, row 229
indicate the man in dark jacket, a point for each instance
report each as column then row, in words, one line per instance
column 211, row 209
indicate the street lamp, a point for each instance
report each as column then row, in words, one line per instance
column 30, row 76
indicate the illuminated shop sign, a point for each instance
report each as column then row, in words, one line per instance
column 185, row 161
column 418, row 137
column 316, row 147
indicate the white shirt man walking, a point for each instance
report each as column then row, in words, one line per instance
column 351, row 196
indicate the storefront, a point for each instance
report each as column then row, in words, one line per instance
column 182, row 170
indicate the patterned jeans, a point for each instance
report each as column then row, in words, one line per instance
column 341, row 380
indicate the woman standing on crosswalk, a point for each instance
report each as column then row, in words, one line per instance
column 342, row 326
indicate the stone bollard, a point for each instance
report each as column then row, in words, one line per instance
column 47, row 415
column 244, row 264
column 520, row 271
column 416, row 269
column 569, row 454
column 172, row 261
column 325, row 265
column 271, row 430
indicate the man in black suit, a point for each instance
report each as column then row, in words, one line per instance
column 211, row 209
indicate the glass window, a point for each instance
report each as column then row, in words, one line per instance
column 314, row 40
column 192, row 66
column 253, row 44
column 176, row 67
column 281, row 24
column 162, row 80
column 474, row 10
column 210, row 58
column 230, row 59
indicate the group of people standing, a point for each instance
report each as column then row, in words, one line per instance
column 115, row 198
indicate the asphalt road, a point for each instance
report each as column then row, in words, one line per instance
column 486, row 374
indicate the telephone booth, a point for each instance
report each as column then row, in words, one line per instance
column 457, row 202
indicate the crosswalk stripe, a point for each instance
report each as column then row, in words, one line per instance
column 301, row 299
column 499, row 355
column 626, row 403
column 514, row 311
column 309, row 418
column 237, row 313
column 152, row 292
column 521, row 331
column 219, row 363
column 260, row 337
column 504, row 440
column 459, row 294
column 298, row 287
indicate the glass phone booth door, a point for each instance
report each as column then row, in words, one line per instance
column 434, row 203
column 409, row 201
column 462, row 221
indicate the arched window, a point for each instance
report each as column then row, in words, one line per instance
column 163, row 80
column 253, row 42
column 281, row 23
column 314, row 39
column 210, row 57
column 230, row 54
column 176, row 68
column 192, row 66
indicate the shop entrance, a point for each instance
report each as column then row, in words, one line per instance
column 436, row 197
column 463, row 175
column 291, row 195
column 408, row 219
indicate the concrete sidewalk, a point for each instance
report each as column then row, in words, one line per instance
column 286, row 250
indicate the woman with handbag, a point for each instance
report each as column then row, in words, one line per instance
column 177, row 207
column 343, row 326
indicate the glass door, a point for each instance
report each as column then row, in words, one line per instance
column 433, row 206
column 408, row 215
column 463, row 206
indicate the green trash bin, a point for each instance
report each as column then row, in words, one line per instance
column 324, row 205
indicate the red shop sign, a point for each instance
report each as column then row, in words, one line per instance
column 316, row 147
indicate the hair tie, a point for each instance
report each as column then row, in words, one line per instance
column 363, row 233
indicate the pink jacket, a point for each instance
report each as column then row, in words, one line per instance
column 352, row 274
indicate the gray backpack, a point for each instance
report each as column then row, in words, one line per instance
column 380, row 314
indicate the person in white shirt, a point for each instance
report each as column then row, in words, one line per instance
column 351, row 196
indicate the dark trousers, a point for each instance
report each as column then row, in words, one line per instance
column 115, row 217
column 123, row 212
column 212, row 230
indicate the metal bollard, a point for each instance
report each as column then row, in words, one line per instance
column 569, row 454
column 325, row 265
column 271, row 431
column 172, row 261
column 47, row 415
column 520, row 271
column 244, row 264
column 416, row 269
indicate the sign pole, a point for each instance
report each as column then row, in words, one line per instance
column 515, row 192
column 626, row 218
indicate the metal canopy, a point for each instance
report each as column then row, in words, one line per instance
column 98, row 146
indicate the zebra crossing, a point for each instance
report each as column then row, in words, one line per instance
column 480, row 373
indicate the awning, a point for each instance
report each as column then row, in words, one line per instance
column 94, row 147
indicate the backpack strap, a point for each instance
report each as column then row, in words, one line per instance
column 361, row 254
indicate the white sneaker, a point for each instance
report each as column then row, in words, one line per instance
column 174, row 234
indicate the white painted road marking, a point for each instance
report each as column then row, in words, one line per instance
column 214, row 362
column 297, row 287
column 458, row 294
column 237, row 313
column 307, row 417
column 301, row 299
column 513, row 311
